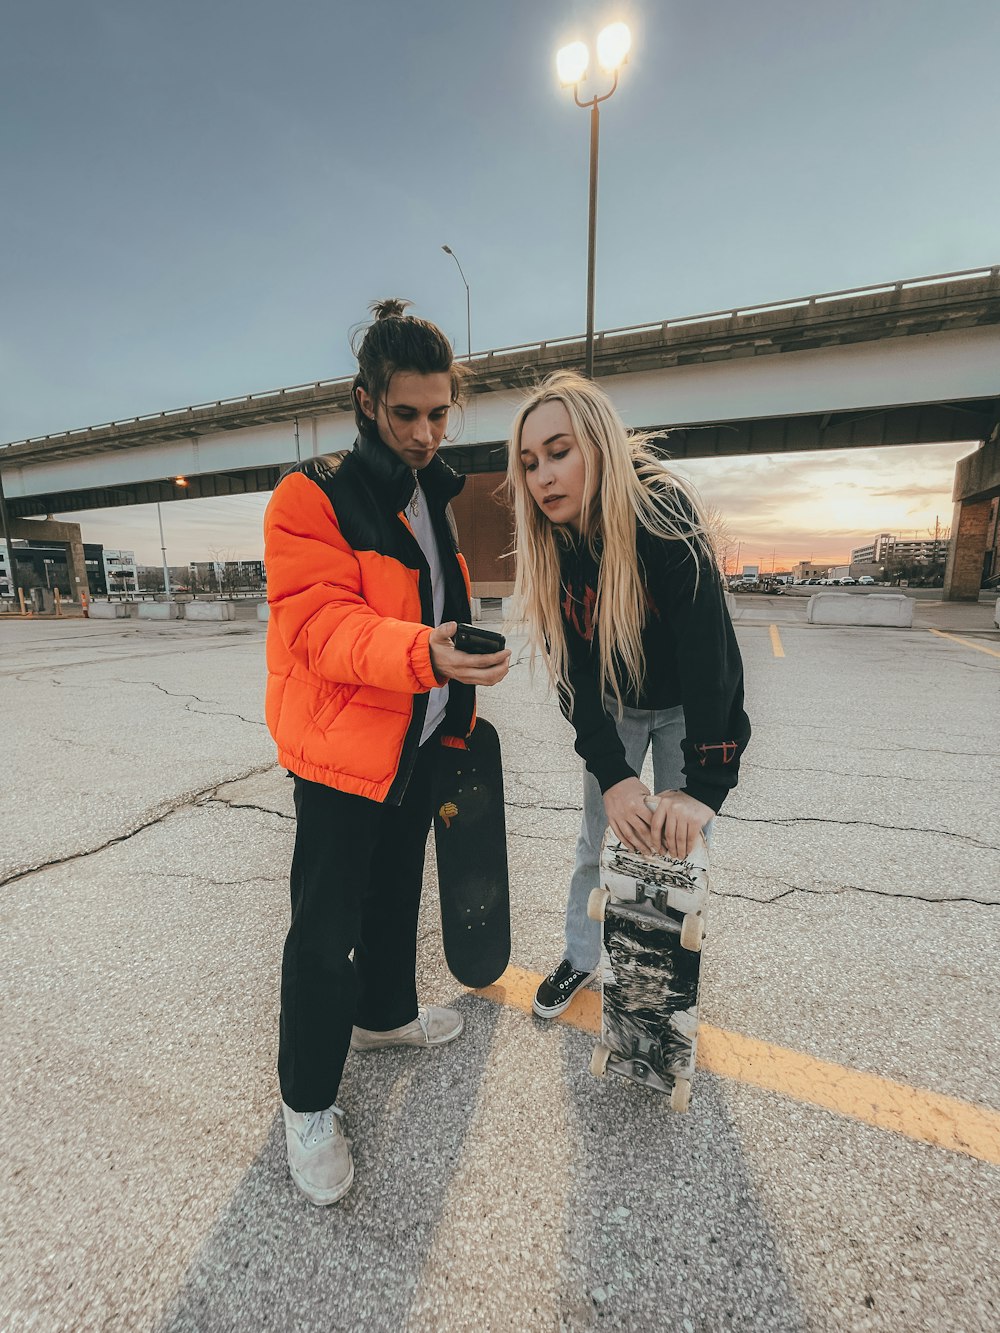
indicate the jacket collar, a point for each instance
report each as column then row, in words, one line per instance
column 395, row 481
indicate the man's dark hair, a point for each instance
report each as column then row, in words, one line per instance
column 397, row 341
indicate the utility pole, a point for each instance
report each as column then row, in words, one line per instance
column 163, row 549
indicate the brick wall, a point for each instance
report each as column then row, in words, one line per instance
column 968, row 546
column 485, row 531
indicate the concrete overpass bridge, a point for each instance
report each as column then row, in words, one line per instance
column 903, row 363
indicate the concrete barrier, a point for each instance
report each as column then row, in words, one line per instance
column 108, row 611
column 841, row 608
column 209, row 611
column 160, row 611
column 263, row 611
column 996, row 614
column 491, row 612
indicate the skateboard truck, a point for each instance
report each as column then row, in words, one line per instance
column 692, row 924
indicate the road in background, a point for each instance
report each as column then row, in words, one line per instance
column 852, row 945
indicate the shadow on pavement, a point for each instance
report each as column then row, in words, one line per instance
column 663, row 1215
column 274, row 1261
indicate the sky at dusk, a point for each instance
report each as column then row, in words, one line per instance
column 200, row 200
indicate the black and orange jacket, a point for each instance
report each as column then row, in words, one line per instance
column 348, row 653
column 692, row 661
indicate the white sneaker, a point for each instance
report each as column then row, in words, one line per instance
column 319, row 1153
column 431, row 1027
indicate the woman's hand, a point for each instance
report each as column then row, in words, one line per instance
column 677, row 822
column 469, row 668
column 625, row 805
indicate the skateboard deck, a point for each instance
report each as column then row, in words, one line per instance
column 470, row 836
column 653, row 910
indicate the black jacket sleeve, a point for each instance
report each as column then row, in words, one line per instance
column 597, row 741
column 708, row 666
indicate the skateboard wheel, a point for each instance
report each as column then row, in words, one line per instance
column 596, row 904
column 599, row 1060
column 692, row 932
column 680, row 1095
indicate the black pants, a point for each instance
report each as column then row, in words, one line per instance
column 357, row 871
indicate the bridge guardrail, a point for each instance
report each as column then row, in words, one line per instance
column 486, row 358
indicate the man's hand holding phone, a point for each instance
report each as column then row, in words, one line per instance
column 468, row 654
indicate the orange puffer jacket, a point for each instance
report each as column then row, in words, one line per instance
column 348, row 653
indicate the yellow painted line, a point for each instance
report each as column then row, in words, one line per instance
column 966, row 643
column 926, row 1117
column 776, row 647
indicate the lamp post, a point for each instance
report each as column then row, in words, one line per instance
column 163, row 549
column 468, row 299
column 183, row 483
column 613, row 45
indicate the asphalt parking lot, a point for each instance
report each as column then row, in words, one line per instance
column 838, row 1169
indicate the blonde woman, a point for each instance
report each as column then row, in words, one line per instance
column 619, row 589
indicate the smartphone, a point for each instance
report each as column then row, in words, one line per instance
column 472, row 639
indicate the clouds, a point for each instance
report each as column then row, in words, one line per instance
column 823, row 504
column 245, row 178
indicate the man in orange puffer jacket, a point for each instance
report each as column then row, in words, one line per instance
column 365, row 584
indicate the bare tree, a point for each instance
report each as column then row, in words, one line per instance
column 720, row 536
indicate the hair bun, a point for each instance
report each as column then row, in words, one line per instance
column 391, row 308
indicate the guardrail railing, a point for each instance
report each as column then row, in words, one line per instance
column 485, row 358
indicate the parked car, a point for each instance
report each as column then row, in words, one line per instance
column 866, row 579
column 848, row 582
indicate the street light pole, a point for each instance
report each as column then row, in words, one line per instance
column 163, row 549
column 613, row 45
column 468, row 299
column 595, row 130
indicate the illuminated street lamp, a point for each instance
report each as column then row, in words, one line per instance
column 572, row 62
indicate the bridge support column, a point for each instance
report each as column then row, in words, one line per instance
column 964, row 572
column 68, row 534
column 977, row 482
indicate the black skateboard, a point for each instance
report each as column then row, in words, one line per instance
column 470, row 835
column 653, row 910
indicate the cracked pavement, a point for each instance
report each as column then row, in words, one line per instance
column 143, row 892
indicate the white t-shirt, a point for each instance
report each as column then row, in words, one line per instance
column 420, row 522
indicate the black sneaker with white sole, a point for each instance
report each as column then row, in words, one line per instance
column 558, row 989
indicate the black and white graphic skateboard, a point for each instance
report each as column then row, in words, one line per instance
column 653, row 910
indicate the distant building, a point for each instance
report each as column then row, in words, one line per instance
column 42, row 564
column 887, row 547
column 875, row 552
column 150, row 578
column 228, row 576
column 121, row 574
column 809, row 569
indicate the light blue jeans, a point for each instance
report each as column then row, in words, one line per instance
column 640, row 730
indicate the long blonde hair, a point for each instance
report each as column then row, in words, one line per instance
column 626, row 481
